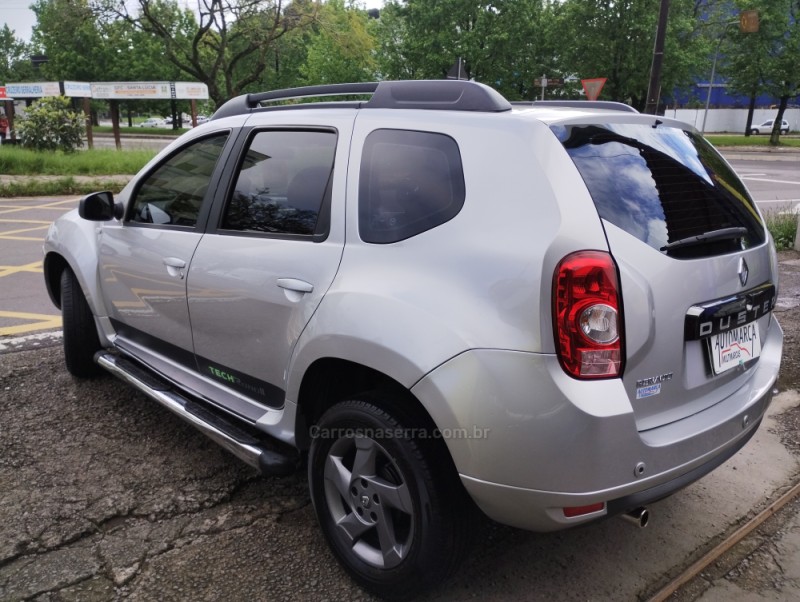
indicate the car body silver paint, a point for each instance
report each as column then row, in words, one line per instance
column 547, row 441
column 479, row 280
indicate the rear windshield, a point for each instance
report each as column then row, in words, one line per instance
column 666, row 186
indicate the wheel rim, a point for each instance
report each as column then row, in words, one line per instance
column 369, row 501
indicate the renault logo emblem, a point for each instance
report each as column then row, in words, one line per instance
column 743, row 271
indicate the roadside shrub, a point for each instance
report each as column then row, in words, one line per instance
column 783, row 227
column 50, row 124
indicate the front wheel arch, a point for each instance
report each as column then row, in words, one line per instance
column 54, row 265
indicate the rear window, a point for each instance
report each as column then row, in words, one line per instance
column 667, row 187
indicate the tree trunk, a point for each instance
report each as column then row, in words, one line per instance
column 774, row 138
column 750, row 108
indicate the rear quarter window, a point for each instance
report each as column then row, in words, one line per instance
column 663, row 185
column 410, row 182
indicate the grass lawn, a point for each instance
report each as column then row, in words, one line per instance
column 97, row 162
column 740, row 140
column 140, row 130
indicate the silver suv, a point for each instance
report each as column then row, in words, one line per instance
column 552, row 312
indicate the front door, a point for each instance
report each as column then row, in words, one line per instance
column 144, row 260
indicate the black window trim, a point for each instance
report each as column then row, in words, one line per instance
column 226, row 191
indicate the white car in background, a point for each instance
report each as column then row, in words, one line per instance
column 766, row 127
column 152, row 122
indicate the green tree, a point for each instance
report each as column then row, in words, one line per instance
column 615, row 38
column 67, row 32
column 766, row 62
column 15, row 65
column 227, row 46
column 49, row 124
column 342, row 47
column 506, row 43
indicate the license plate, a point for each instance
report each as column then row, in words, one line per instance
column 734, row 347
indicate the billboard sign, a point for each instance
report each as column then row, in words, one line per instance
column 149, row 90
column 33, row 89
column 78, row 89
column 131, row 90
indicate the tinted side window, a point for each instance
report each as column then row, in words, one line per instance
column 173, row 193
column 282, row 183
column 410, row 182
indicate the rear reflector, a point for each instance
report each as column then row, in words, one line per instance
column 573, row 511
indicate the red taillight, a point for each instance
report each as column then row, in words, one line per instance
column 587, row 316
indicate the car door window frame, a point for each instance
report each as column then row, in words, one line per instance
column 230, row 175
column 209, row 195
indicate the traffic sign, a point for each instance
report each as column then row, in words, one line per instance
column 592, row 87
column 748, row 21
column 541, row 82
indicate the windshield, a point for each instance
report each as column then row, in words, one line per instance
column 664, row 185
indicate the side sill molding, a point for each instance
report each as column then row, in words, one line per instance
column 218, row 428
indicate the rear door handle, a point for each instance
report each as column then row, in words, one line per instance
column 175, row 267
column 293, row 284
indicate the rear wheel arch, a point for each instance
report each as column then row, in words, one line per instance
column 329, row 381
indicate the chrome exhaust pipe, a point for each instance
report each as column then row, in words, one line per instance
column 639, row 517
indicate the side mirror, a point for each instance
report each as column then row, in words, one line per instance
column 100, row 207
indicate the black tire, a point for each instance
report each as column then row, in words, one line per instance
column 80, row 332
column 390, row 505
column 754, row 132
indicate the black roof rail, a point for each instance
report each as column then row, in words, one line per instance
column 608, row 105
column 452, row 95
column 438, row 94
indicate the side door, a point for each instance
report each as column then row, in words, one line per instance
column 144, row 259
column 258, row 276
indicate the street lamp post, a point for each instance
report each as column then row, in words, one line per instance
column 713, row 72
column 748, row 23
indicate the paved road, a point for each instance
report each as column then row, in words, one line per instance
column 24, row 305
column 774, row 184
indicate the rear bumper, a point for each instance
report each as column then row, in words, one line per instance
column 528, row 440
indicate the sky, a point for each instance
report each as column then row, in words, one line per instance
column 17, row 15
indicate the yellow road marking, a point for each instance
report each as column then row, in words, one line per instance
column 43, row 322
column 26, row 238
column 25, row 221
column 21, row 230
column 7, row 270
column 53, row 205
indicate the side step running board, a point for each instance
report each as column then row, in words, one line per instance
column 215, row 425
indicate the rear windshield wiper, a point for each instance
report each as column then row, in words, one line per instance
column 713, row 235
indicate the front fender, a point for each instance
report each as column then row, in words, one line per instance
column 72, row 241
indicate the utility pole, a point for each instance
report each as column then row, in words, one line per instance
column 654, row 89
